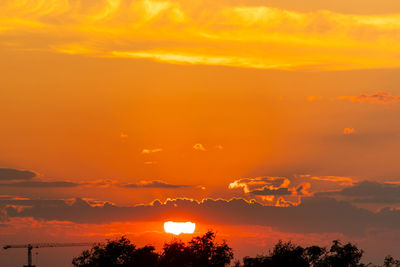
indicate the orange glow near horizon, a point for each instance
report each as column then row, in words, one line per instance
column 178, row 228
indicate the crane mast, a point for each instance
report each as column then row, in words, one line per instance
column 29, row 256
column 29, row 248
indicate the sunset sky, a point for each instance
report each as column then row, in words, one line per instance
column 263, row 120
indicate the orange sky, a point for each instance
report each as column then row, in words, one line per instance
column 128, row 102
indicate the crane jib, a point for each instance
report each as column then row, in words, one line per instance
column 29, row 247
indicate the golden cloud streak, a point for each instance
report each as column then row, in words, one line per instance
column 210, row 33
column 345, row 181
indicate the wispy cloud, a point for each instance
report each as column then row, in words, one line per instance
column 150, row 151
column 41, row 184
column 378, row 98
column 313, row 98
column 152, row 184
column 342, row 180
column 13, row 178
column 124, row 137
column 348, row 130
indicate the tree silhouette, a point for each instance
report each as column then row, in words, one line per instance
column 283, row 254
column 204, row 251
column 390, row 262
column 117, row 253
column 339, row 255
column 315, row 254
column 288, row 254
column 201, row 251
column 175, row 254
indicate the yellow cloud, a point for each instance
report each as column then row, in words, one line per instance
column 199, row 147
column 337, row 179
column 348, row 130
column 209, row 32
column 183, row 58
column 250, row 184
column 150, row 151
column 123, row 137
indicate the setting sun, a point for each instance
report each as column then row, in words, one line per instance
column 178, row 228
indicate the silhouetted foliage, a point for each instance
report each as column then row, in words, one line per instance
column 283, row 254
column 339, row 255
column 390, row 262
column 175, row 254
column 288, row 254
column 204, row 251
column 201, row 251
column 117, row 253
column 314, row 254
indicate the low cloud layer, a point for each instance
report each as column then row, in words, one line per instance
column 368, row 192
column 14, row 178
column 14, row 174
column 40, row 184
column 313, row 215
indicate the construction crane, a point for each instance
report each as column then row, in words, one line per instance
column 44, row 245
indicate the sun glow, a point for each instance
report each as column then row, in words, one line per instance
column 178, row 228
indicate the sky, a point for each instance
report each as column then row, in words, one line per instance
column 262, row 120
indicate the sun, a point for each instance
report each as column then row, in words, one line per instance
column 178, row 228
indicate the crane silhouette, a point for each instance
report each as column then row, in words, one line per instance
column 29, row 247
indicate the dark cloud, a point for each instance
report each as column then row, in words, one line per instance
column 32, row 202
column 66, row 184
column 313, row 215
column 153, row 184
column 40, row 184
column 271, row 192
column 282, row 191
column 368, row 192
column 13, row 174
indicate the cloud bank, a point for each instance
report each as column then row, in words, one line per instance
column 313, row 215
column 368, row 192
